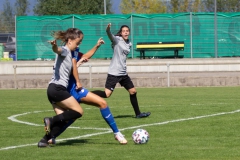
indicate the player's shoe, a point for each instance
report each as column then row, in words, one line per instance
column 43, row 143
column 120, row 138
column 47, row 125
column 143, row 115
column 52, row 141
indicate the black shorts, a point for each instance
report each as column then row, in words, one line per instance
column 124, row 81
column 57, row 93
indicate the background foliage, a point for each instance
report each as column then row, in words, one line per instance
column 84, row 7
column 63, row 7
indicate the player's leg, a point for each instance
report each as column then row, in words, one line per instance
column 59, row 110
column 59, row 95
column 77, row 95
column 75, row 111
column 128, row 85
column 56, row 130
column 93, row 99
column 86, row 97
column 61, row 126
column 65, row 125
column 100, row 93
column 109, row 87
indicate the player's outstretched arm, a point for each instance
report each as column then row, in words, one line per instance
column 110, row 36
column 91, row 52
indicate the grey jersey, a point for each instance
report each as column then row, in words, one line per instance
column 62, row 67
column 118, row 66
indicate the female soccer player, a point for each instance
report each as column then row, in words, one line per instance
column 117, row 72
column 57, row 92
column 84, row 96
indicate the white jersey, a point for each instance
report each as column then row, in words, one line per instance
column 121, row 49
column 62, row 67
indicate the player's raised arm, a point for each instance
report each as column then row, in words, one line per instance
column 91, row 52
column 55, row 48
column 110, row 35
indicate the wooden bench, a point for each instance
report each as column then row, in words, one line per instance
column 159, row 46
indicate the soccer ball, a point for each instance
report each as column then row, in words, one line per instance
column 140, row 136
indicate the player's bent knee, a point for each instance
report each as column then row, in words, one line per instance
column 108, row 95
column 133, row 92
column 80, row 110
column 103, row 104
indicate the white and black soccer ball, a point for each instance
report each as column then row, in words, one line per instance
column 140, row 136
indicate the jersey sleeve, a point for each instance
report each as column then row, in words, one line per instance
column 64, row 51
column 111, row 37
column 75, row 55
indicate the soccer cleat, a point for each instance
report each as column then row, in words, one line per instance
column 143, row 115
column 43, row 143
column 118, row 136
column 47, row 125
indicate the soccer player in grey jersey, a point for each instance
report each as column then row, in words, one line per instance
column 117, row 72
column 57, row 92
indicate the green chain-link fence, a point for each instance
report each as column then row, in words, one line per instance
column 197, row 30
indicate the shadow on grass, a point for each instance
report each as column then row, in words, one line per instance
column 82, row 141
column 72, row 142
column 124, row 116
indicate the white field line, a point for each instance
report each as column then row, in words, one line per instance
column 134, row 127
column 14, row 119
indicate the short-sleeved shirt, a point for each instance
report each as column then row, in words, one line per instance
column 121, row 49
column 62, row 67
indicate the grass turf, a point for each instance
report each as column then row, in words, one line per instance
column 186, row 123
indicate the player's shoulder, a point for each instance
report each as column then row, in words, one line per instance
column 119, row 38
column 75, row 54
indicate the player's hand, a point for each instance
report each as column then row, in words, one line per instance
column 55, row 48
column 108, row 26
column 81, row 61
column 100, row 42
column 53, row 43
column 78, row 86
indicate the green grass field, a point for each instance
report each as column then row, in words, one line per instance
column 186, row 123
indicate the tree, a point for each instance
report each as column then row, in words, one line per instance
column 184, row 6
column 63, row 7
column 223, row 5
column 7, row 18
column 21, row 7
column 175, row 4
column 197, row 6
column 142, row 6
column 187, row 6
column 3, row 27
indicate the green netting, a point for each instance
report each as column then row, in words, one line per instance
column 197, row 30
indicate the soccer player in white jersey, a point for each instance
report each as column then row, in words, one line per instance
column 117, row 72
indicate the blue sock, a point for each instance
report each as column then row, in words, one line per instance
column 107, row 115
